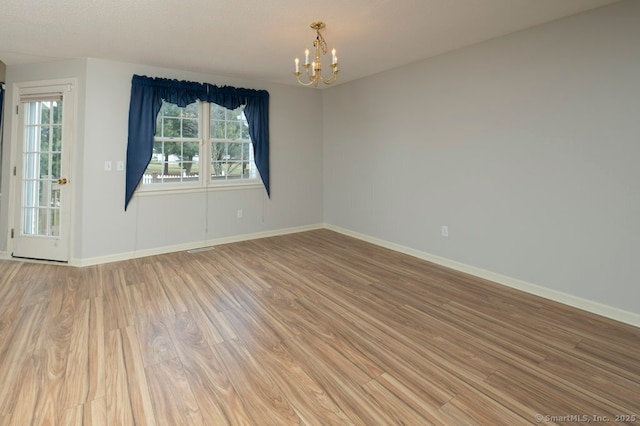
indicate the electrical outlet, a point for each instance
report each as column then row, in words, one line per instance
column 239, row 213
column 120, row 165
column 444, row 230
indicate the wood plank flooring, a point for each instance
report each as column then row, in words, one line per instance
column 314, row 328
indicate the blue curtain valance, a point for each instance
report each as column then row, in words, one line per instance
column 147, row 94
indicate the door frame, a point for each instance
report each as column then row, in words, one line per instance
column 46, row 86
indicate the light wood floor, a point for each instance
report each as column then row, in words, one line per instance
column 313, row 328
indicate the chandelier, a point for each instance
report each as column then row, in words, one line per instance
column 313, row 70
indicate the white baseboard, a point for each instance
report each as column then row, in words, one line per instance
column 189, row 246
column 547, row 293
column 627, row 317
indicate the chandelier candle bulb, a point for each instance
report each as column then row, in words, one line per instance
column 297, row 61
column 306, row 56
column 334, row 59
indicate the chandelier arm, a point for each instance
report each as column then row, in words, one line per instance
column 302, row 83
column 312, row 80
column 332, row 79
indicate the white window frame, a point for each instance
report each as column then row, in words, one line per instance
column 205, row 180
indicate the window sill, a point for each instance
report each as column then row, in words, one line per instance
column 226, row 186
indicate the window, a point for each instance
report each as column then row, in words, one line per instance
column 179, row 156
column 147, row 95
column 176, row 146
column 231, row 149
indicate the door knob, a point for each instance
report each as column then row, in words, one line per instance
column 62, row 181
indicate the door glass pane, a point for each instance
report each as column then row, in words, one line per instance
column 30, row 164
column 28, row 221
column 54, row 222
column 42, row 156
column 55, row 166
column 42, row 221
column 56, row 139
column 43, row 194
column 44, row 164
column 57, row 113
column 44, row 139
column 45, row 112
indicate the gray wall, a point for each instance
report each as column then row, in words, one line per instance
column 164, row 221
column 527, row 147
column 172, row 219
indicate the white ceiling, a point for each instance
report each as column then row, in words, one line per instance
column 258, row 39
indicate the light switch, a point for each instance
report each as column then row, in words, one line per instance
column 120, row 165
column 107, row 166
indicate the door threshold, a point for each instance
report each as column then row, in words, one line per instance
column 38, row 260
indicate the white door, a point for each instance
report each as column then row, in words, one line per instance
column 43, row 183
